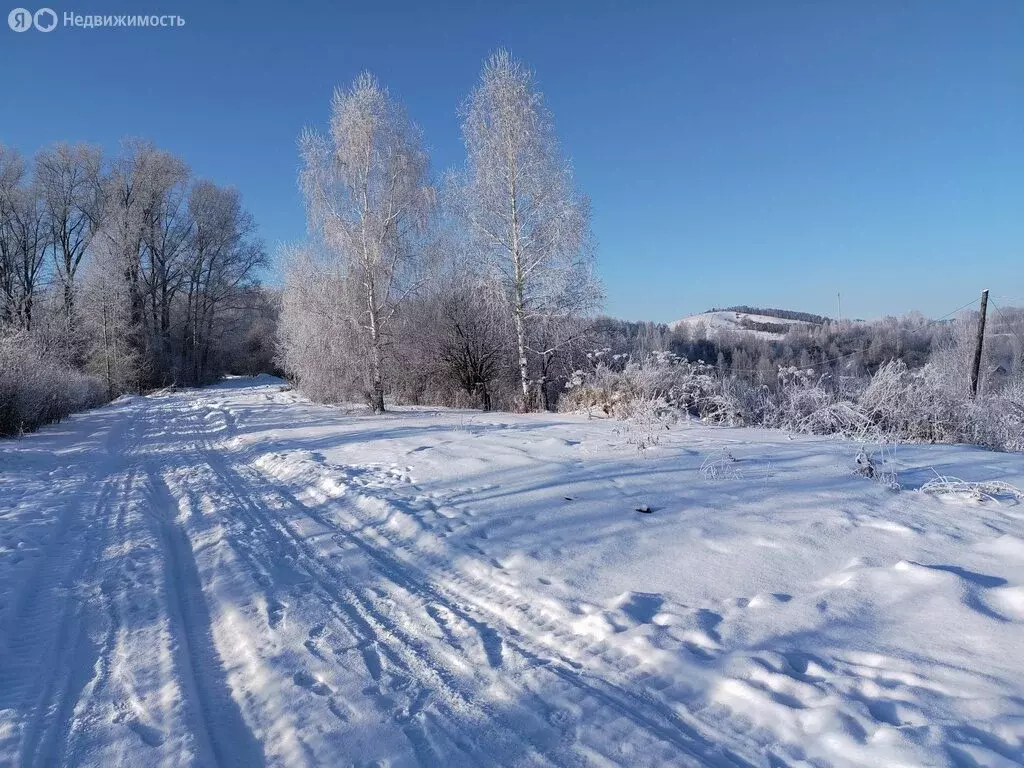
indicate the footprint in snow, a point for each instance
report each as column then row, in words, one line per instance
column 150, row 736
column 642, row 607
column 307, row 681
column 560, row 719
column 276, row 613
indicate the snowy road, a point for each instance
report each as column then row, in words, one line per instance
column 234, row 577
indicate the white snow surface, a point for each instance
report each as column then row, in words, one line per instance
column 234, row 576
column 721, row 321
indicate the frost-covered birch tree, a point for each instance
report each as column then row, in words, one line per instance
column 120, row 238
column 530, row 224
column 368, row 198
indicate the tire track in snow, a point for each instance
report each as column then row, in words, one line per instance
column 87, row 712
column 647, row 714
column 475, row 597
column 386, row 647
column 404, row 662
column 49, row 651
column 215, row 719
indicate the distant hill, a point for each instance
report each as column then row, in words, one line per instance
column 766, row 323
column 782, row 314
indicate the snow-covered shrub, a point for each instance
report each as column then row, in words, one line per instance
column 895, row 404
column 35, row 390
column 661, row 384
column 841, row 418
column 802, row 402
column 910, row 404
column 622, row 389
column 879, row 464
column 995, row 421
column 921, row 405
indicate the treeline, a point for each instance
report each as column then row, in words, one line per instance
column 476, row 288
column 120, row 274
column 473, row 288
column 838, row 347
column 856, row 349
column 896, row 379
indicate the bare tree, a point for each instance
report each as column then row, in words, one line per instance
column 67, row 176
column 166, row 232
column 24, row 239
column 182, row 253
column 153, row 279
column 12, row 174
column 558, row 342
column 471, row 340
column 531, row 224
column 106, row 323
column 368, row 198
column 224, row 257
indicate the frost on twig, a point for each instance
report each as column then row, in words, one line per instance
column 720, row 466
column 984, row 491
column 879, row 466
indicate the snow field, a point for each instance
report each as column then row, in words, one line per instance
column 233, row 576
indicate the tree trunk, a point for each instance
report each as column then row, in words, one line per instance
column 106, row 355
column 524, row 371
column 69, row 306
column 377, row 356
column 545, row 368
column 377, row 396
column 519, row 311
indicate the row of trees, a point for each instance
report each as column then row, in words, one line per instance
column 477, row 284
column 472, row 288
column 128, row 269
column 916, row 388
column 478, row 287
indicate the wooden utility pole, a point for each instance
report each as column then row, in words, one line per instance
column 976, row 368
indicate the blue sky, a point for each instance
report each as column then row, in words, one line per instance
column 767, row 153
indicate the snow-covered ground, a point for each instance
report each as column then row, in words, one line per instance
column 233, row 576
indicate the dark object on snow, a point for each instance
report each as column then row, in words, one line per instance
column 644, row 508
column 865, row 466
column 567, row 498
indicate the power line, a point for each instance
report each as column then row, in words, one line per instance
column 1008, row 325
column 948, row 314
